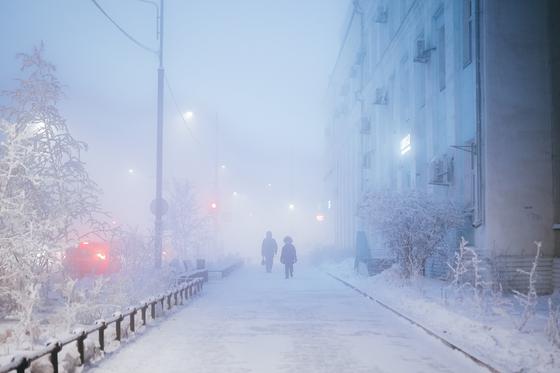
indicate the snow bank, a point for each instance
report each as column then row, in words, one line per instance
column 493, row 338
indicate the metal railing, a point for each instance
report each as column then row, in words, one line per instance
column 227, row 270
column 183, row 292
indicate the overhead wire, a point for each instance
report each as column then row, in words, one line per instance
column 148, row 49
column 176, row 104
column 122, row 30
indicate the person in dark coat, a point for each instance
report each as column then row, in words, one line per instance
column 269, row 248
column 288, row 256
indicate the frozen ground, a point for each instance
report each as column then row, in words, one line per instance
column 491, row 337
column 259, row 322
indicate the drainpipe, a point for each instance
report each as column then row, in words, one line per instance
column 479, row 209
column 361, row 55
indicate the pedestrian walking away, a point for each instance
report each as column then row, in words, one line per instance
column 288, row 257
column 269, row 248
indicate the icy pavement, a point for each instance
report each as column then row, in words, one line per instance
column 259, row 322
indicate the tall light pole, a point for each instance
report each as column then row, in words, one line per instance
column 159, row 204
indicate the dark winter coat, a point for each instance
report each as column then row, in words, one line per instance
column 288, row 255
column 269, row 247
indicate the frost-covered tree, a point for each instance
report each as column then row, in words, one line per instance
column 47, row 199
column 187, row 224
column 413, row 225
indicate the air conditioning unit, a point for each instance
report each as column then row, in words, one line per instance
column 365, row 128
column 380, row 96
column 381, row 14
column 441, row 170
column 422, row 52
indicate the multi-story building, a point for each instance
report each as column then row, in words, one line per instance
column 458, row 98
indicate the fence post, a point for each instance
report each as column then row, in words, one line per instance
column 53, row 357
column 24, row 363
column 132, row 314
column 118, row 322
column 169, row 301
column 153, row 309
column 102, row 327
column 161, row 301
column 143, row 311
column 80, row 343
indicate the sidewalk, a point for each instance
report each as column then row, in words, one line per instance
column 493, row 338
column 260, row 322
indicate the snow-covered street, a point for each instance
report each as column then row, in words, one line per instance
column 260, row 322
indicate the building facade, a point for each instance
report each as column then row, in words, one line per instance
column 457, row 98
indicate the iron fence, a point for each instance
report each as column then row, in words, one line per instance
column 183, row 292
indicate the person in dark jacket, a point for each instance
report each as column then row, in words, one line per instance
column 269, row 248
column 288, row 256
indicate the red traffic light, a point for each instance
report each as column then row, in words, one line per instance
column 214, row 205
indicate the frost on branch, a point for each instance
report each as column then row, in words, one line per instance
column 459, row 269
column 46, row 196
column 528, row 300
column 413, row 225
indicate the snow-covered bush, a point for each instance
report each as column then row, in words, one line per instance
column 413, row 225
column 46, row 196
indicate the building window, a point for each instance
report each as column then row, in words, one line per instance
column 441, row 56
column 467, row 32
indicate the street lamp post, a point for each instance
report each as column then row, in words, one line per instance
column 159, row 204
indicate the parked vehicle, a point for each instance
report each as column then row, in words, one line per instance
column 90, row 259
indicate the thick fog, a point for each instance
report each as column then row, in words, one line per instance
column 253, row 74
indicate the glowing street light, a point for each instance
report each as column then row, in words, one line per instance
column 131, row 171
column 320, row 217
column 291, row 206
column 188, row 115
column 235, row 194
column 214, row 205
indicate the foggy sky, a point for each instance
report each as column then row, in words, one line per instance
column 260, row 66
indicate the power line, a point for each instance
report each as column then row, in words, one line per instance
column 175, row 103
column 123, row 31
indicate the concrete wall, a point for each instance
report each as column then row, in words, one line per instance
column 517, row 127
